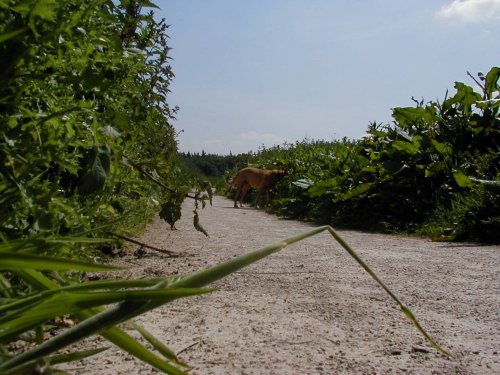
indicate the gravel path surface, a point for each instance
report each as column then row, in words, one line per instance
column 311, row 309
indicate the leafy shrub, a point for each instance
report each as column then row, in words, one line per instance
column 398, row 175
column 472, row 215
column 85, row 148
column 78, row 96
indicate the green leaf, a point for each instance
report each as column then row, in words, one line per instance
column 121, row 120
column 17, row 261
column 356, row 192
column 171, row 209
column 304, row 183
column 393, row 167
column 113, row 284
column 89, row 286
column 11, row 34
column 41, row 244
column 465, row 96
column 31, row 366
column 22, row 7
column 407, row 117
column 441, row 148
column 95, row 171
column 435, row 168
column 75, row 356
column 148, row 4
column 462, row 180
column 45, row 9
column 158, row 345
column 197, row 225
column 369, row 169
column 113, row 334
column 491, row 84
column 406, row 147
column 68, row 303
column 136, row 349
column 323, row 187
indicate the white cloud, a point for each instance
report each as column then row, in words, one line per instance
column 471, row 10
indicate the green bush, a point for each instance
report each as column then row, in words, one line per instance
column 86, row 148
column 78, row 97
column 397, row 176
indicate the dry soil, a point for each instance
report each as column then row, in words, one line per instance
column 311, row 309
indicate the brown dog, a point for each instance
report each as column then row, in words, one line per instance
column 259, row 179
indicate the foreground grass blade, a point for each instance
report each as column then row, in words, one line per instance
column 41, row 244
column 212, row 274
column 405, row 309
column 29, row 367
column 85, row 286
column 158, row 345
column 209, row 275
column 66, row 303
column 92, row 325
column 114, row 334
column 14, row 261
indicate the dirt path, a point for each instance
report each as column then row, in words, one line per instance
column 311, row 309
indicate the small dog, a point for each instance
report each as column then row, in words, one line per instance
column 259, row 179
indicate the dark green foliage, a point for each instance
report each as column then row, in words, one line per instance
column 95, row 170
column 212, row 165
column 86, row 146
column 83, row 83
column 399, row 175
column 171, row 209
column 472, row 215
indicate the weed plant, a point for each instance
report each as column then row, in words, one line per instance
column 429, row 166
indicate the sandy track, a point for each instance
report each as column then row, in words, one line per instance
column 311, row 309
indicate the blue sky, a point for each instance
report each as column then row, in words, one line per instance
column 264, row 72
